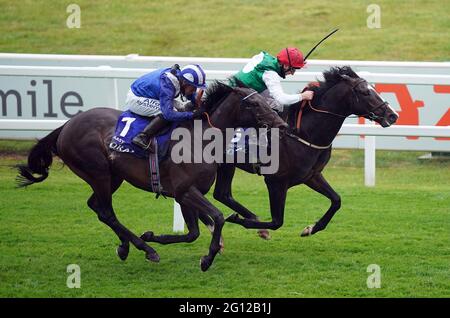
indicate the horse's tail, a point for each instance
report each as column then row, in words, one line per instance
column 39, row 160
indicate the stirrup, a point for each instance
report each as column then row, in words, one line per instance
column 150, row 146
column 140, row 141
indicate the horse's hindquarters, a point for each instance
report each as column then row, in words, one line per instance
column 83, row 143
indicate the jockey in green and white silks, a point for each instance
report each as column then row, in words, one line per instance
column 264, row 73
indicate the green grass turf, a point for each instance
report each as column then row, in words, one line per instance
column 402, row 225
column 410, row 29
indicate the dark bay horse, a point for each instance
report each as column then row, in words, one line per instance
column 82, row 144
column 305, row 151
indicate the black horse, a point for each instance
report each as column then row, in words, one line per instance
column 305, row 151
column 82, row 144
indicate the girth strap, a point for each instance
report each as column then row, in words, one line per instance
column 155, row 181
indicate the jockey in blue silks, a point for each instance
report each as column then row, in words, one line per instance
column 153, row 95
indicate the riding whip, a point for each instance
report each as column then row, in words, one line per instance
column 312, row 50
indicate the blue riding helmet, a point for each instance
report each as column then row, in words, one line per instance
column 194, row 75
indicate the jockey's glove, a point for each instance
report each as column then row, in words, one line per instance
column 198, row 113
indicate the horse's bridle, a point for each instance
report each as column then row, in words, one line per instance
column 370, row 115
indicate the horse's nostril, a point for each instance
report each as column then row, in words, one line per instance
column 392, row 118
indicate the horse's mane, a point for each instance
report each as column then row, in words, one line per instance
column 214, row 94
column 331, row 78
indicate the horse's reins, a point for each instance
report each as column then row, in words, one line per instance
column 249, row 95
column 371, row 115
column 209, row 121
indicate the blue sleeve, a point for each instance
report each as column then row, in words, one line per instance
column 166, row 97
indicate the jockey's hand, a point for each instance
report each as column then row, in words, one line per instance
column 198, row 113
column 307, row 95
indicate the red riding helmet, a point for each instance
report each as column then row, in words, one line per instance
column 291, row 57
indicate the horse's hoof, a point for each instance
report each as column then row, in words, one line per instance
column 152, row 257
column 148, row 236
column 232, row 218
column 204, row 263
column 122, row 251
column 307, row 231
column 264, row 234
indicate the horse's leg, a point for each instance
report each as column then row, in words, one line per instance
column 222, row 193
column 210, row 225
column 98, row 176
column 106, row 215
column 124, row 248
column 191, row 219
column 149, row 236
column 193, row 199
column 277, row 196
column 319, row 184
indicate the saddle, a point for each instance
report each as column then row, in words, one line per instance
column 127, row 127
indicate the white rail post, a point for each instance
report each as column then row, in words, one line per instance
column 116, row 94
column 369, row 161
column 178, row 220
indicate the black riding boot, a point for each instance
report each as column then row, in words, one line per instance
column 145, row 138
